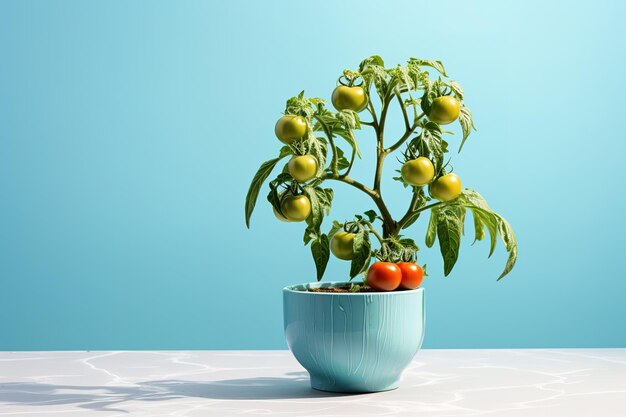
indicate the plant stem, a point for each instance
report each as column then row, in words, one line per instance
column 380, row 147
column 388, row 222
column 374, row 232
column 407, row 125
column 410, row 213
column 345, row 174
column 404, row 137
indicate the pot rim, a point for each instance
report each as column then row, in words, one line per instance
column 292, row 289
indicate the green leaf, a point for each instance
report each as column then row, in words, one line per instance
column 348, row 118
column 320, row 249
column 372, row 60
column 510, row 242
column 431, row 232
column 259, row 178
column 321, row 201
column 336, row 227
column 319, row 149
column 479, row 228
column 362, row 253
column 456, row 88
column 491, row 223
column 348, row 136
column 342, row 162
column 408, row 243
column 429, row 143
column 467, row 124
column 496, row 225
column 438, row 65
column 450, row 221
column 371, row 215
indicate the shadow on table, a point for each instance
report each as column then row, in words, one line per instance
column 108, row 398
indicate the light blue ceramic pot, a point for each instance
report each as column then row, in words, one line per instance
column 353, row 342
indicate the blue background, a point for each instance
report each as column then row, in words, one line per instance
column 129, row 132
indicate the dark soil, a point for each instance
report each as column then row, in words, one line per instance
column 347, row 288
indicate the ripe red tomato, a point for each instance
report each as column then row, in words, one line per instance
column 412, row 275
column 384, row 276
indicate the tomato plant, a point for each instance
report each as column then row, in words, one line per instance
column 323, row 147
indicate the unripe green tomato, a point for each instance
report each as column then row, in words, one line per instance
column 290, row 128
column 349, row 98
column 444, row 110
column 446, row 188
column 303, row 167
column 280, row 216
column 296, row 208
column 342, row 245
column 419, row 171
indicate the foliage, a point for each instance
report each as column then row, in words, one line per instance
column 331, row 138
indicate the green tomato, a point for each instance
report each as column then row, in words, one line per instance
column 303, row 167
column 296, row 208
column 444, row 110
column 446, row 188
column 290, row 128
column 280, row 216
column 342, row 245
column 418, row 171
column 349, row 98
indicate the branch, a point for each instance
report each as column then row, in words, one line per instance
column 345, row 174
column 374, row 232
column 375, row 196
column 380, row 149
column 404, row 137
column 407, row 125
column 412, row 212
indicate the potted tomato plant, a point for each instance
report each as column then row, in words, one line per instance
column 359, row 336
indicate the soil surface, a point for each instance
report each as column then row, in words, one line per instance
column 362, row 288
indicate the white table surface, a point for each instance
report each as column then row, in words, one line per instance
column 544, row 382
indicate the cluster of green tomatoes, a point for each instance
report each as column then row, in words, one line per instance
column 420, row 171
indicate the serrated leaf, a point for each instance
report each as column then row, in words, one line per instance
column 479, row 228
column 438, row 65
column 372, row 60
column 362, row 253
column 456, row 88
column 320, row 249
column 467, row 124
column 257, row 181
column 430, row 144
column 510, row 242
column 496, row 225
column 492, row 226
column 342, row 162
column 450, row 220
column 408, row 243
column 348, row 136
column 319, row 149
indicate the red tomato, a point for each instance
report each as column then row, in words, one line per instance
column 412, row 275
column 384, row 276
